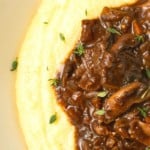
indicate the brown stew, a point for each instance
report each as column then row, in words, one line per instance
column 105, row 82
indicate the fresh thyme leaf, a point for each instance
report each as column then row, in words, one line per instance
column 148, row 73
column 86, row 12
column 139, row 38
column 54, row 82
column 47, row 68
column 79, row 50
column 62, row 37
column 100, row 112
column 14, row 65
column 143, row 111
column 102, row 93
column 113, row 30
column 52, row 118
column 45, row 22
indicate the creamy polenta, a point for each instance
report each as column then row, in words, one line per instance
column 41, row 55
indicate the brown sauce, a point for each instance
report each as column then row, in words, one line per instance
column 106, row 90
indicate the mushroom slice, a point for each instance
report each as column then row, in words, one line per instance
column 140, row 131
column 124, row 42
column 123, row 99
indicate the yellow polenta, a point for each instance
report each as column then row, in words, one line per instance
column 41, row 55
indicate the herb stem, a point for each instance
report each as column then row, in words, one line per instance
column 113, row 30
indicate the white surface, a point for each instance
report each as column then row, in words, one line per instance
column 15, row 16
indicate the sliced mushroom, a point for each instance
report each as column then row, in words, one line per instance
column 100, row 129
column 123, row 99
column 125, row 41
column 140, row 131
column 121, row 127
column 145, row 127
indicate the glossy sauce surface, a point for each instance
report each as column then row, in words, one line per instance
column 105, row 90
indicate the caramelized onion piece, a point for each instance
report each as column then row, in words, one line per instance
column 123, row 99
column 137, row 30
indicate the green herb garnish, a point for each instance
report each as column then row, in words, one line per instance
column 47, row 68
column 100, row 112
column 143, row 111
column 52, row 118
column 148, row 73
column 62, row 37
column 139, row 38
column 86, row 12
column 45, row 22
column 79, row 50
column 102, row 93
column 54, row 82
column 113, row 30
column 14, row 65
